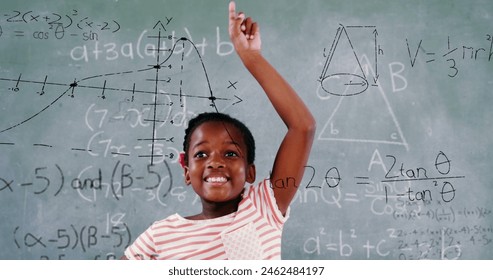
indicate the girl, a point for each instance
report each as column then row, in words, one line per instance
column 236, row 222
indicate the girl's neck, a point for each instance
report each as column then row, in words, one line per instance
column 212, row 210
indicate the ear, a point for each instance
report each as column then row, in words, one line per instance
column 251, row 173
column 181, row 159
column 187, row 175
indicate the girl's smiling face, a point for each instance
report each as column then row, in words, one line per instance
column 217, row 162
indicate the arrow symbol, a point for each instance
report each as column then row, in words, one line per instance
column 239, row 100
column 159, row 23
column 356, row 84
column 375, row 79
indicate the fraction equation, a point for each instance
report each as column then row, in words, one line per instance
column 451, row 54
column 399, row 182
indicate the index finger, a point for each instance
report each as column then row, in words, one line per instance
column 235, row 20
column 233, row 16
column 232, row 10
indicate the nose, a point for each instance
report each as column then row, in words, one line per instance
column 215, row 161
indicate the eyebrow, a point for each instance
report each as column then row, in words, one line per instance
column 230, row 142
column 199, row 143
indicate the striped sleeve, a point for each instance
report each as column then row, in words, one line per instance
column 143, row 248
column 263, row 198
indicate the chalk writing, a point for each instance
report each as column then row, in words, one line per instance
column 54, row 25
column 398, row 182
column 342, row 77
column 339, row 79
column 442, row 214
column 451, row 54
column 92, row 182
column 422, row 243
column 83, row 237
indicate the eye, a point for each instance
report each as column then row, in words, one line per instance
column 200, row 154
column 231, row 154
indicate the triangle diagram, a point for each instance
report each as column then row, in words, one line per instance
column 363, row 118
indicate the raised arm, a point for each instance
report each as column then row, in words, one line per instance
column 292, row 156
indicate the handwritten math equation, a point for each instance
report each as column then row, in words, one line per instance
column 399, row 183
column 452, row 54
column 85, row 239
column 93, row 183
column 429, row 242
column 54, row 25
column 442, row 214
column 418, row 199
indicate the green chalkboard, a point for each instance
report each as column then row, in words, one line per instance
column 95, row 97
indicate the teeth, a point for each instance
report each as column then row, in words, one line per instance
column 216, row 179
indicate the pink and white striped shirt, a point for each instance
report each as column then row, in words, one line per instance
column 253, row 232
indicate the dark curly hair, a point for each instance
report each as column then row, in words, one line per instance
column 220, row 117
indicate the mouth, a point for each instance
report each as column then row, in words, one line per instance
column 216, row 179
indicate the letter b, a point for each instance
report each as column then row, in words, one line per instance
column 396, row 76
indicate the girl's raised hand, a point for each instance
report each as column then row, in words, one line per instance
column 244, row 32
